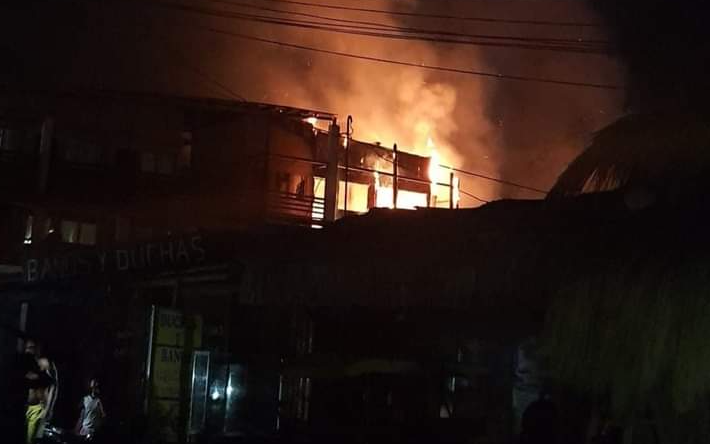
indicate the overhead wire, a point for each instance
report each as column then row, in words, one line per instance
column 406, row 29
column 219, row 85
column 410, row 64
column 473, row 196
column 497, row 179
column 573, row 47
column 437, row 16
column 215, row 84
column 498, row 76
column 396, row 62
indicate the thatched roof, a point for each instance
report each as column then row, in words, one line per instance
column 649, row 150
column 632, row 320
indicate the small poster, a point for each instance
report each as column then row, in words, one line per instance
column 175, row 334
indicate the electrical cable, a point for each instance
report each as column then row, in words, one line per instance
column 471, row 195
column 438, row 16
column 415, row 65
column 410, row 30
column 377, row 32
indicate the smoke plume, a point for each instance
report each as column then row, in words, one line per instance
column 519, row 131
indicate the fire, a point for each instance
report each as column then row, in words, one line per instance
column 434, row 168
column 438, row 174
column 384, row 196
column 434, row 161
column 312, row 120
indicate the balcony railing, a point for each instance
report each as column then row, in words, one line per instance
column 294, row 209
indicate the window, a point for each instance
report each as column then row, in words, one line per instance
column 8, row 139
column 87, row 234
column 184, row 160
column 23, row 141
column 143, row 233
column 166, row 165
column 301, row 186
column 357, row 197
column 147, row 162
column 123, row 229
column 282, row 181
column 69, row 231
column 80, row 152
column 319, row 187
column 28, row 229
column 184, row 157
column 74, row 232
column 158, row 163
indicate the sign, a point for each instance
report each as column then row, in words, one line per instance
column 172, row 326
column 167, row 365
column 175, row 334
column 152, row 255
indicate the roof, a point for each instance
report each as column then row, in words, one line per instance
column 180, row 100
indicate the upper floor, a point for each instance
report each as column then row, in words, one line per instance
column 84, row 170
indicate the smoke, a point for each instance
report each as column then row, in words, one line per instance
column 523, row 132
column 389, row 104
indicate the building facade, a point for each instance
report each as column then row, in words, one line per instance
column 166, row 245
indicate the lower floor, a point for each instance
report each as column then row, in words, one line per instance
column 182, row 358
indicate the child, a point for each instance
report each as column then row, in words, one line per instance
column 92, row 411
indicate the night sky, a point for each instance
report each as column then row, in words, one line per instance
column 523, row 131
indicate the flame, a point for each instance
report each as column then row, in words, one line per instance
column 312, row 120
column 439, row 174
column 383, row 195
column 408, row 200
column 434, row 161
column 434, row 169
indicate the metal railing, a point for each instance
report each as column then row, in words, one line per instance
column 292, row 208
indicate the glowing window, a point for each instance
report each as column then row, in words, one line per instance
column 357, row 197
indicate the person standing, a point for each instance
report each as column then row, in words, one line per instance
column 42, row 380
column 92, row 413
column 51, row 393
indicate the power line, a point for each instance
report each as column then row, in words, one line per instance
column 187, row 66
column 217, row 83
column 496, row 179
column 406, row 29
column 372, row 32
column 438, row 16
column 300, row 14
column 479, row 176
column 415, row 65
column 473, row 196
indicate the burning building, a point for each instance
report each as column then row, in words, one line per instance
column 123, row 209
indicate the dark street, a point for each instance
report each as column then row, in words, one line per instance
column 357, row 222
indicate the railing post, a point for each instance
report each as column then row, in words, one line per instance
column 331, row 179
column 395, row 181
column 451, row 190
column 348, row 131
